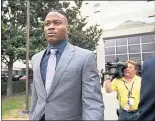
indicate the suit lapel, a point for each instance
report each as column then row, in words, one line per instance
column 62, row 65
column 40, row 81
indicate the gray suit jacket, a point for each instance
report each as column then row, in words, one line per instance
column 75, row 92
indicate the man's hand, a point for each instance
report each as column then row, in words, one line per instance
column 108, row 77
column 108, row 84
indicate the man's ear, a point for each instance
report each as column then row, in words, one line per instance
column 68, row 29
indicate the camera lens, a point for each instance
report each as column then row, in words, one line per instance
column 112, row 70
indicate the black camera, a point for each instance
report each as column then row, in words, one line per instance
column 115, row 70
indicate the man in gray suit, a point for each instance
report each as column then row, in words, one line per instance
column 74, row 91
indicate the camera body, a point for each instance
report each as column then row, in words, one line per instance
column 115, row 70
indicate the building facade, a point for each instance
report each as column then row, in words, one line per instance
column 130, row 40
column 127, row 29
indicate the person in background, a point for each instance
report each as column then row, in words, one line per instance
column 128, row 91
column 102, row 77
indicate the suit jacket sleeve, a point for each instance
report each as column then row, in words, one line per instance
column 34, row 98
column 147, row 100
column 93, row 107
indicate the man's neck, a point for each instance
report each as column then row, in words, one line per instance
column 55, row 44
column 129, row 79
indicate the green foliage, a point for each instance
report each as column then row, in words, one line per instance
column 18, row 86
column 78, row 3
column 13, row 34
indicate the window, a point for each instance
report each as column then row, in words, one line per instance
column 121, row 41
column 147, row 55
column 96, row 11
column 109, row 58
column 122, row 58
column 110, row 42
column 134, row 40
column 149, row 0
column 121, row 49
column 148, row 47
column 139, row 48
column 147, row 38
column 136, row 57
column 134, row 48
column 96, row 4
column 16, row 72
column 110, row 50
column 96, row 7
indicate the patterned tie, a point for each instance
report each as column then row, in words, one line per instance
column 50, row 69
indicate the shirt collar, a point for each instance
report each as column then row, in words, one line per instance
column 134, row 78
column 60, row 47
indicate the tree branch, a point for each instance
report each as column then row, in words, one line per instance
column 15, row 58
column 78, row 3
column 3, row 58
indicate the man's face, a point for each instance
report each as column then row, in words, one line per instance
column 55, row 28
column 130, row 71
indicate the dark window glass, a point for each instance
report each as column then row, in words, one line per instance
column 134, row 48
column 96, row 8
column 121, row 41
column 121, row 49
column 147, row 55
column 147, row 38
column 122, row 58
column 96, row 4
column 134, row 40
column 136, row 57
column 148, row 47
column 96, row 11
column 110, row 50
column 110, row 42
column 109, row 58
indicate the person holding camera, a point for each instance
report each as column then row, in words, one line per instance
column 128, row 91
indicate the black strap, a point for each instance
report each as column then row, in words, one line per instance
column 129, row 91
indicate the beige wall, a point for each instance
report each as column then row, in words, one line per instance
column 100, row 55
column 129, row 30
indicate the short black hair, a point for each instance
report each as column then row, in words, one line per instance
column 61, row 12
